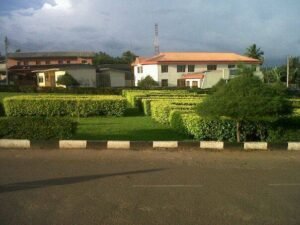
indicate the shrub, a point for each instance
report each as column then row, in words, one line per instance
column 160, row 110
column 64, row 105
column 147, row 82
column 134, row 96
column 146, row 102
column 67, row 80
column 37, row 128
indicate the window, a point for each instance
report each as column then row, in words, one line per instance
column 68, row 61
column 164, row 82
column 164, row 68
column 83, row 61
column 41, row 79
column 191, row 68
column 60, row 61
column 194, row 84
column 37, row 62
column 187, row 83
column 180, row 68
column 211, row 67
column 19, row 63
column 47, row 62
column 140, row 69
column 232, row 66
column 46, row 77
column 25, row 63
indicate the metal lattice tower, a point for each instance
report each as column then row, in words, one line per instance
column 156, row 41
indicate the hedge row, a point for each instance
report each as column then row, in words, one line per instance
column 134, row 97
column 283, row 130
column 160, row 110
column 146, row 102
column 64, row 105
column 37, row 128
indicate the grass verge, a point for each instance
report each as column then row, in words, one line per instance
column 135, row 128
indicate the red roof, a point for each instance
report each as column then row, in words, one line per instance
column 193, row 76
column 195, row 57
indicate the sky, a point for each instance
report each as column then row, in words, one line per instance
column 114, row 26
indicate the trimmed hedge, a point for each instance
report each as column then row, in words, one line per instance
column 37, row 128
column 146, row 102
column 134, row 97
column 283, row 130
column 160, row 110
column 64, row 105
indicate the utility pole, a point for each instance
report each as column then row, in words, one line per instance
column 6, row 58
column 287, row 71
column 156, row 41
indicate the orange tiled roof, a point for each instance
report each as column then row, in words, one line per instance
column 193, row 76
column 199, row 57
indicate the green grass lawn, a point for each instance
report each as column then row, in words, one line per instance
column 137, row 128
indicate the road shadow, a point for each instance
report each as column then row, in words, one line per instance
column 66, row 180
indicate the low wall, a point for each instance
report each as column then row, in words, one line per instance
column 112, row 144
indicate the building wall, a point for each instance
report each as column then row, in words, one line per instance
column 52, row 61
column 117, row 78
column 151, row 70
column 85, row 76
column 211, row 78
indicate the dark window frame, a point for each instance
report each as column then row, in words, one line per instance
column 191, row 68
column 164, row 82
column 164, row 68
column 231, row 66
column 212, row 67
column 140, row 69
column 181, row 68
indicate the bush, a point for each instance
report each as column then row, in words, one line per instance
column 283, row 130
column 37, row 128
column 134, row 96
column 67, row 80
column 146, row 102
column 160, row 110
column 64, row 105
column 147, row 82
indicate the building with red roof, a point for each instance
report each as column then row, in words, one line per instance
column 193, row 69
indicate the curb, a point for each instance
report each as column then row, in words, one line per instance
column 118, row 144
column 256, row 146
column 137, row 145
column 72, row 144
column 294, row 146
column 14, row 143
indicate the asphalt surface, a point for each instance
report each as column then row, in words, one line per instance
column 86, row 187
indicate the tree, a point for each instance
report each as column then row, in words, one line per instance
column 103, row 58
column 273, row 74
column 128, row 57
column 147, row 82
column 67, row 80
column 254, row 52
column 245, row 98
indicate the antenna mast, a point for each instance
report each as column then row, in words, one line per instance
column 156, row 41
column 6, row 58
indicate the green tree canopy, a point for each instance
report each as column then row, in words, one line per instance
column 147, row 82
column 254, row 52
column 67, row 80
column 245, row 98
column 127, row 57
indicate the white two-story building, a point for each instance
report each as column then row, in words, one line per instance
column 192, row 69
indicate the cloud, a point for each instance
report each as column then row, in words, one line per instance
column 195, row 25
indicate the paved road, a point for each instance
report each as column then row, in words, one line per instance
column 53, row 187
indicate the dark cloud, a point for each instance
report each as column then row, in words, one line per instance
column 194, row 25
